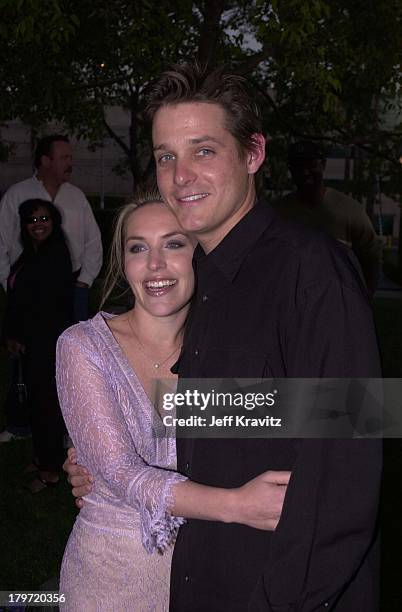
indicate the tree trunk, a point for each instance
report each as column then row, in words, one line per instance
column 134, row 162
column 210, row 31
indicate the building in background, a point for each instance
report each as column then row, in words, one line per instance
column 93, row 169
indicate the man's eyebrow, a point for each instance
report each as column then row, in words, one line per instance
column 192, row 141
column 207, row 138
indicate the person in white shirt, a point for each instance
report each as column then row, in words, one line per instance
column 53, row 163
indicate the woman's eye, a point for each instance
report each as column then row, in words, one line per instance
column 175, row 244
column 136, row 248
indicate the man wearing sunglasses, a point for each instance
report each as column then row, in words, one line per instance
column 51, row 182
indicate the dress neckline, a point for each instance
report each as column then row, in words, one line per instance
column 99, row 322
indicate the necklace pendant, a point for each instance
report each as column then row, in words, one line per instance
column 156, row 365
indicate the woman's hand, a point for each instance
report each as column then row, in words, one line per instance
column 259, row 502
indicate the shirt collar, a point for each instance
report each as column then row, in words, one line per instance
column 38, row 180
column 230, row 253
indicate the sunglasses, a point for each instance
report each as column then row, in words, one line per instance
column 43, row 218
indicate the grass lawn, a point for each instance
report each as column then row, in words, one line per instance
column 34, row 529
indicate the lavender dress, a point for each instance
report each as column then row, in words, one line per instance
column 119, row 552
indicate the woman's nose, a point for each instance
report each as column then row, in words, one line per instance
column 156, row 259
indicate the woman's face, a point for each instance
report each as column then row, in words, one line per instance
column 157, row 260
column 39, row 225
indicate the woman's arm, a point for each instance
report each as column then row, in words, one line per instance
column 95, row 421
column 98, row 429
column 258, row 503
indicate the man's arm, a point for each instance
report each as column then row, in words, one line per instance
column 92, row 255
column 78, row 476
column 323, row 547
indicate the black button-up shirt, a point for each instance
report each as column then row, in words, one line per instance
column 277, row 300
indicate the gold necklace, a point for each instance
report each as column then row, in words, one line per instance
column 155, row 364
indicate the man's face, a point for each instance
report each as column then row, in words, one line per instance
column 59, row 163
column 307, row 174
column 201, row 175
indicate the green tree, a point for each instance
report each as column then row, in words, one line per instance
column 335, row 70
column 32, row 35
column 323, row 69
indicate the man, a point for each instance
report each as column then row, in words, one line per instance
column 272, row 301
column 325, row 208
column 53, row 163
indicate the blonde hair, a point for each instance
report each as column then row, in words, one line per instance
column 115, row 277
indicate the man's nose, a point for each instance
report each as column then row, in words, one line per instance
column 184, row 172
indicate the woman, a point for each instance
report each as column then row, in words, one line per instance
column 106, row 370
column 39, row 308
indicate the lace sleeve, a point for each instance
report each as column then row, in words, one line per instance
column 98, row 429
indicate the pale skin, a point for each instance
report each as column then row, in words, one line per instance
column 209, row 186
column 202, row 175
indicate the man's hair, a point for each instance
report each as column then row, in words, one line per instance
column 45, row 146
column 190, row 83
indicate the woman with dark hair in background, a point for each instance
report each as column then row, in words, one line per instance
column 39, row 308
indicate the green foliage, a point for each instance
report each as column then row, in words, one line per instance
column 333, row 65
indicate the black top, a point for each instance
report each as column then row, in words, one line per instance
column 39, row 299
column 277, row 300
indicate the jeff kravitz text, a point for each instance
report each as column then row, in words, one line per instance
column 227, row 421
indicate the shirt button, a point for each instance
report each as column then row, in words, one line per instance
column 186, row 577
column 204, row 298
column 196, row 352
column 187, row 467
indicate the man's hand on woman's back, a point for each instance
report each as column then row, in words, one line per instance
column 78, row 476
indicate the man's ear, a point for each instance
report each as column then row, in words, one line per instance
column 256, row 155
